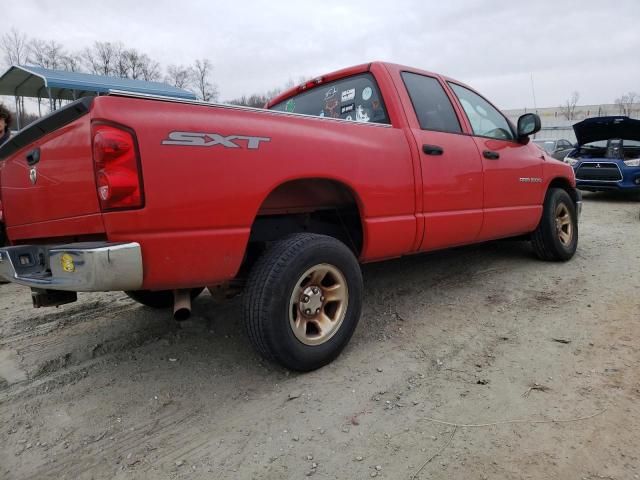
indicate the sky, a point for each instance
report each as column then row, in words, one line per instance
column 496, row 46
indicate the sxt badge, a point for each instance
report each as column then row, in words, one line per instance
column 196, row 139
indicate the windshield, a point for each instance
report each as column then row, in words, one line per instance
column 547, row 145
column 353, row 98
column 617, row 141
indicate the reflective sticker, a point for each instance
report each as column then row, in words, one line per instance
column 330, row 93
column 290, row 105
column 347, row 95
column 361, row 114
column 347, row 108
column 330, row 108
column 66, row 261
column 366, row 93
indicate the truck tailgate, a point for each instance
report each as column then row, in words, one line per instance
column 48, row 172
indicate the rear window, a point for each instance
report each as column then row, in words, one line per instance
column 354, row 98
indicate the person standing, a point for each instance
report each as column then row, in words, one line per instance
column 5, row 122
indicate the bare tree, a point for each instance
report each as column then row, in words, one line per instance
column 101, row 58
column 71, row 62
column 179, row 76
column 133, row 63
column 15, row 47
column 120, row 62
column 150, row 69
column 259, row 100
column 569, row 108
column 205, row 90
column 46, row 54
column 627, row 102
column 15, row 50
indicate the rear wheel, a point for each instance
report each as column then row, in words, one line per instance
column 556, row 237
column 302, row 302
column 158, row 299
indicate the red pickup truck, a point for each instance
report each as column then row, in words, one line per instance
column 160, row 198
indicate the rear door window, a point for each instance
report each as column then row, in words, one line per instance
column 354, row 98
column 431, row 104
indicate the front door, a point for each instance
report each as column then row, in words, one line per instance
column 512, row 170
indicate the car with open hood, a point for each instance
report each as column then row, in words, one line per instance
column 607, row 156
column 557, row 148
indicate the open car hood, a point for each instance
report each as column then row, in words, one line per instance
column 604, row 128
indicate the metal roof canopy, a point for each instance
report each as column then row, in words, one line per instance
column 38, row 82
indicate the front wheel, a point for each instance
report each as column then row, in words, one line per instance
column 302, row 301
column 556, row 237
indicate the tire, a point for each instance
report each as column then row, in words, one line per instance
column 303, row 300
column 556, row 237
column 158, row 299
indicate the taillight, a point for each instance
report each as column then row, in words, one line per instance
column 117, row 168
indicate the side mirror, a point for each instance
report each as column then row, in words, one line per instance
column 528, row 124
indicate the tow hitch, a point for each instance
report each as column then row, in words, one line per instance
column 51, row 298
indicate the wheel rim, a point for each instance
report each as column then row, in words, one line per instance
column 318, row 304
column 564, row 225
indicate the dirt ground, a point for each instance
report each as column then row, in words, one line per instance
column 474, row 363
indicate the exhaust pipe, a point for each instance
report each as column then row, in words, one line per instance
column 181, row 305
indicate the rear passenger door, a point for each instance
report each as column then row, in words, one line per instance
column 451, row 166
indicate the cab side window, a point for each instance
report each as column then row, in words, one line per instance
column 354, row 98
column 486, row 120
column 431, row 104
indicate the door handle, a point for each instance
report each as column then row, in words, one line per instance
column 432, row 149
column 33, row 157
column 489, row 155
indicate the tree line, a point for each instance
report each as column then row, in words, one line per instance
column 108, row 58
column 118, row 60
column 628, row 104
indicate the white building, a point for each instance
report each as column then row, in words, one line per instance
column 555, row 124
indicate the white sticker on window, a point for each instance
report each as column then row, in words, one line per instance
column 347, row 95
column 366, row 93
column 361, row 114
column 330, row 93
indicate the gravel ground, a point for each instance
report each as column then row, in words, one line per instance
column 475, row 363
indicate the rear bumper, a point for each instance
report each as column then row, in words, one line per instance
column 76, row 267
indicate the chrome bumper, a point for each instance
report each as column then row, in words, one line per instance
column 77, row 267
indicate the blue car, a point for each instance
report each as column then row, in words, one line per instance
column 607, row 155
